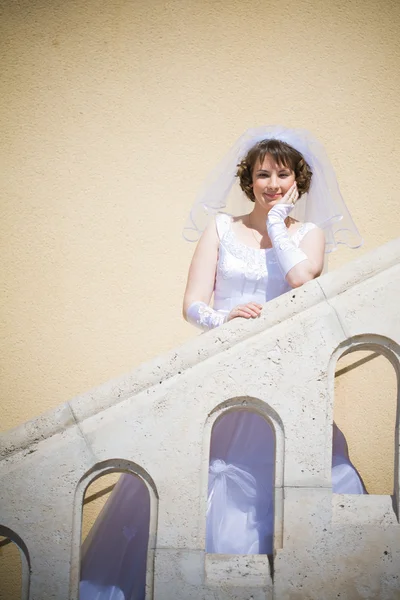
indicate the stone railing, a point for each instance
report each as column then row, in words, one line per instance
column 281, row 366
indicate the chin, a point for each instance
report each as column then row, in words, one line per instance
column 273, row 200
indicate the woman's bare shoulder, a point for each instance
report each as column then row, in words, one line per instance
column 239, row 219
column 239, row 222
column 293, row 225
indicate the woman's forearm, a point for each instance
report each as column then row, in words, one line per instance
column 204, row 317
column 297, row 267
column 287, row 253
column 301, row 273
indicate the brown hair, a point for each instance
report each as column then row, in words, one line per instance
column 282, row 154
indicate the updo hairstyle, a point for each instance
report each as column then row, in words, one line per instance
column 283, row 155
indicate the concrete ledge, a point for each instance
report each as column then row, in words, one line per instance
column 361, row 269
column 238, row 570
column 164, row 369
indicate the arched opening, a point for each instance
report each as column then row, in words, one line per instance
column 115, row 538
column 14, row 566
column 10, row 570
column 365, row 411
column 240, row 507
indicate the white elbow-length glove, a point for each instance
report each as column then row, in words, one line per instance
column 287, row 253
column 204, row 317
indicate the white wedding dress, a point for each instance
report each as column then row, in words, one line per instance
column 240, row 513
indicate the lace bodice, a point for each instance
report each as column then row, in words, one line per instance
column 247, row 274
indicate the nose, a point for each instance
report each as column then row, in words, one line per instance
column 273, row 182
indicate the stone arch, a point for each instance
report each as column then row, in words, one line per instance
column 98, row 470
column 273, row 420
column 25, row 559
column 389, row 349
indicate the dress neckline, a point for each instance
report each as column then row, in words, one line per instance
column 236, row 240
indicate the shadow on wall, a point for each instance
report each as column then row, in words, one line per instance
column 14, row 566
column 358, row 370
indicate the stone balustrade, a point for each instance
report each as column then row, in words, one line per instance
column 156, row 422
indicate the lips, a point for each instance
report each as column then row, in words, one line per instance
column 272, row 196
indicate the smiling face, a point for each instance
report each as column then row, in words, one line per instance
column 269, row 169
column 271, row 181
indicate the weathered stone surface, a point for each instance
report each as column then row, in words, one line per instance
column 187, row 574
column 37, row 501
column 158, row 420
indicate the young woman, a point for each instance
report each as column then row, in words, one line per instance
column 244, row 262
column 233, row 259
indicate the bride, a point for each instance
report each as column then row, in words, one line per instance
column 240, row 263
column 243, row 262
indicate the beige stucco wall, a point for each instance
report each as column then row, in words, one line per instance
column 10, row 570
column 365, row 410
column 112, row 114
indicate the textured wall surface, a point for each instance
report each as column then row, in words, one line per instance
column 10, row 570
column 325, row 545
column 365, row 410
column 112, row 114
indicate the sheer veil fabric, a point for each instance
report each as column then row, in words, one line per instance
column 323, row 205
column 114, row 554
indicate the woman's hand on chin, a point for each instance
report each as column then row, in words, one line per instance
column 251, row 310
column 291, row 196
